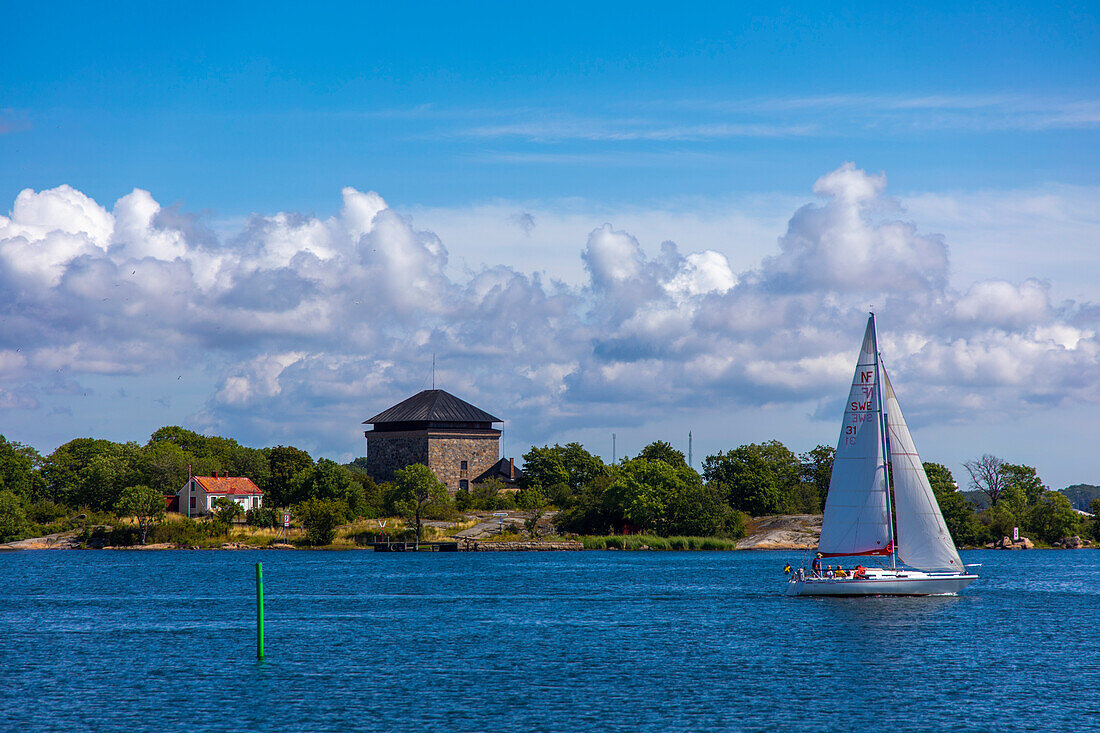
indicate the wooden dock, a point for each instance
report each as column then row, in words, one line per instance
column 414, row 546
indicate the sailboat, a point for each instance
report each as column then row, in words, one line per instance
column 860, row 517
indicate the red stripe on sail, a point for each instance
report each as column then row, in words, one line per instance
column 889, row 549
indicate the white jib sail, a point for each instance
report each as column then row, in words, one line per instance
column 855, row 521
column 923, row 539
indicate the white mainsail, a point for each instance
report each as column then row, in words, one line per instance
column 923, row 541
column 856, row 521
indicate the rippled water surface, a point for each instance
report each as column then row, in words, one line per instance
column 536, row 642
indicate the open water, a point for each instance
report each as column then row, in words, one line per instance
column 608, row 641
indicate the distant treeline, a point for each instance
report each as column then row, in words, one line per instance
column 658, row 493
column 655, row 492
column 101, row 478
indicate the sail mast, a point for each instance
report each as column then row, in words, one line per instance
column 885, row 455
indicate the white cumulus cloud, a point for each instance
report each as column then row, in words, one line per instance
column 301, row 326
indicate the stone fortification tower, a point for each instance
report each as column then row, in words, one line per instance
column 450, row 436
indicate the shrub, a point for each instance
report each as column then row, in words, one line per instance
column 653, row 542
column 45, row 512
column 262, row 516
column 1053, row 517
column 226, row 510
column 144, row 504
column 13, row 519
column 321, row 517
column 185, row 532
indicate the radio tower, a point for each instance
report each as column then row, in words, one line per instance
column 689, row 450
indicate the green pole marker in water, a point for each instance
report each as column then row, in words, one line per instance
column 259, row 611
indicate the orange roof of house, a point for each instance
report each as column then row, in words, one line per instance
column 228, row 485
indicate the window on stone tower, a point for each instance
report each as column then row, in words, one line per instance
column 464, row 484
column 464, row 465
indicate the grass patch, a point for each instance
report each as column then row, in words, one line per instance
column 653, row 542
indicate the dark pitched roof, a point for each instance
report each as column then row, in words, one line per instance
column 502, row 470
column 432, row 405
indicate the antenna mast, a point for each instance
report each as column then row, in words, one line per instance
column 613, row 448
column 689, row 450
column 433, row 370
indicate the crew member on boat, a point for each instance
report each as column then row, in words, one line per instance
column 816, row 567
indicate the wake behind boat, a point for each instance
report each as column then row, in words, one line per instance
column 858, row 518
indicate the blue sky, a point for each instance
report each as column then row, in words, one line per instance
column 236, row 110
column 503, row 138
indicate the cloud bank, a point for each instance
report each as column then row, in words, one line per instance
column 303, row 326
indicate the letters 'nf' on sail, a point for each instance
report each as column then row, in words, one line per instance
column 858, row 509
column 856, row 518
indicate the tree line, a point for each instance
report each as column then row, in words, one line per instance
column 655, row 492
column 1002, row 496
column 103, row 479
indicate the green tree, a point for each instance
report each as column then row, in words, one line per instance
column 329, row 480
column 373, row 498
column 215, row 453
column 187, row 440
column 486, row 493
column 1053, row 518
column 587, row 512
column 957, row 513
column 560, row 473
column 1013, row 499
column 698, row 510
column 145, row 504
column 817, row 470
column 13, row 519
column 1024, row 480
column 659, row 450
column 417, row 490
column 940, row 479
column 19, row 470
column 169, row 466
column 640, row 490
column 996, row 522
column 284, row 463
column 261, row 516
column 757, row 478
column 1094, row 507
column 528, row 499
column 101, row 481
column 321, row 518
column 535, row 505
column 92, row 473
column 226, row 510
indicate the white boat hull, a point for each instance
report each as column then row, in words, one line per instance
column 882, row 583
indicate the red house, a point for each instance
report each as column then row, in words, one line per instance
column 200, row 492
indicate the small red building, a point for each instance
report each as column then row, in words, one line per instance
column 198, row 495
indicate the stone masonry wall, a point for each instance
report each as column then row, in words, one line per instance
column 446, row 453
column 387, row 452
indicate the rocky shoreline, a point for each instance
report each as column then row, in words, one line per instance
column 782, row 532
column 777, row 532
